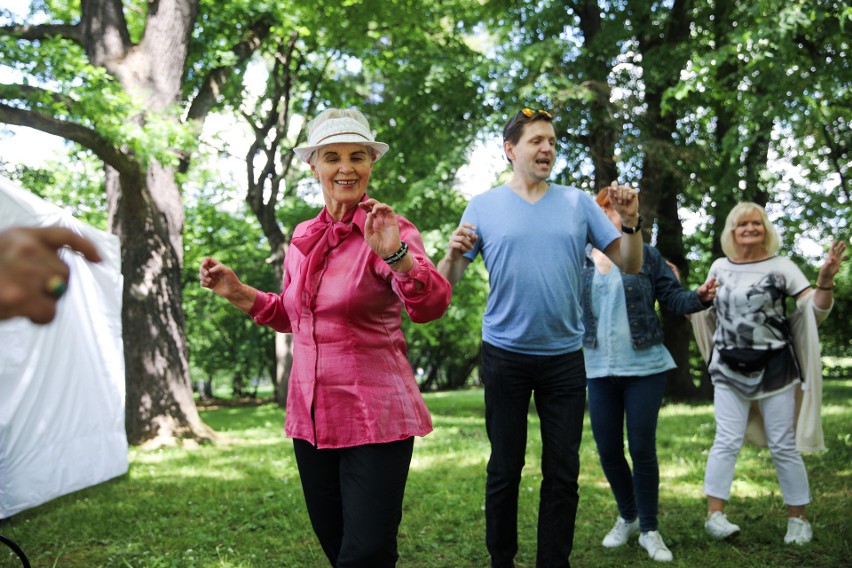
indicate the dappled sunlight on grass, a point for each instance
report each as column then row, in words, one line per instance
column 253, row 444
column 239, row 503
column 829, row 409
column 842, row 439
column 687, row 410
column 440, row 421
column 422, row 462
column 267, row 416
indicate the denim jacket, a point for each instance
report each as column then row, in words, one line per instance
column 655, row 281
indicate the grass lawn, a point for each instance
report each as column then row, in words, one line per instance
column 239, row 503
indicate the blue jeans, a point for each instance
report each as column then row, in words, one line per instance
column 639, row 399
column 558, row 386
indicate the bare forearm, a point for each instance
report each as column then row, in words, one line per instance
column 243, row 298
column 452, row 269
column 630, row 248
column 824, row 292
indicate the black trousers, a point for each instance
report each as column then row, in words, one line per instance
column 354, row 499
column 558, row 385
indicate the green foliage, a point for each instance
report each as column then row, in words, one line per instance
column 238, row 503
column 59, row 82
column 445, row 353
column 71, row 181
column 223, row 342
column 780, row 76
column 761, row 111
column 410, row 70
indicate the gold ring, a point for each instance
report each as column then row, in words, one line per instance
column 55, row 286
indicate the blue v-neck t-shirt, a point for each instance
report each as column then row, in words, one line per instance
column 534, row 254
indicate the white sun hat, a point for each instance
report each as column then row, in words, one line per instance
column 339, row 130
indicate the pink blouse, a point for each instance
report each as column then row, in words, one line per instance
column 351, row 382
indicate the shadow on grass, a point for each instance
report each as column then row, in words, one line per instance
column 240, row 504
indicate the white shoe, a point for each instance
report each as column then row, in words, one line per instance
column 621, row 532
column 799, row 531
column 657, row 549
column 719, row 527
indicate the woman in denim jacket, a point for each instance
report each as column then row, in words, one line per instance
column 618, row 310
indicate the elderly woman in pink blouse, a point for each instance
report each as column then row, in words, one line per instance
column 353, row 405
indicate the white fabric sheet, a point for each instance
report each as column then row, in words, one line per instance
column 62, row 384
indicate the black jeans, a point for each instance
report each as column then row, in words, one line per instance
column 558, row 384
column 354, row 499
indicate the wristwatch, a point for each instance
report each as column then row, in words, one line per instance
column 632, row 230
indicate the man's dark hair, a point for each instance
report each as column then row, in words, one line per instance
column 513, row 129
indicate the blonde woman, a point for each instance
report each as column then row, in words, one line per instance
column 753, row 360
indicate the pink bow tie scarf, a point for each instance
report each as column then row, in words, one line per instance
column 315, row 244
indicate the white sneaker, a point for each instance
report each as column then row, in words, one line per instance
column 657, row 549
column 621, row 532
column 718, row 526
column 799, row 531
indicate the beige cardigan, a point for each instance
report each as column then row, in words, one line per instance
column 803, row 326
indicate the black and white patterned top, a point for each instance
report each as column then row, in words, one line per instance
column 751, row 313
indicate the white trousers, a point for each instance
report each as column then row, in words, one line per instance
column 731, row 418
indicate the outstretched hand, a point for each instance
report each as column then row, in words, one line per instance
column 222, row 280
column 831, row 266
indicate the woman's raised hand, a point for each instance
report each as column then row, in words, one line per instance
column 381, row 230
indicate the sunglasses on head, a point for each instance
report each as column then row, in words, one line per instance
column 529, row 113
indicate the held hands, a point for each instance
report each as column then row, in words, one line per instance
column 831, row 266
column 707, row 291
column 461, row 241
column 625, row 201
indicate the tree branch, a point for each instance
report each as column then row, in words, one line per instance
column 212, row 86
column 216, row 79
column 71, row 131
column 73, row 32
column 104, row 33
column 10, row 91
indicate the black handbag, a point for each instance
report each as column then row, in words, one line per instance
column 747, row 360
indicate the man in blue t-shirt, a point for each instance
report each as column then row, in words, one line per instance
column 532, row 237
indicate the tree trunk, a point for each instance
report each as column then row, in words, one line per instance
column 283, row 341
column 146, row 213
column 660, row 190
column 145, row 208
column 663, row 57
column 159, row 401
column 728, row 174
column 604, row 128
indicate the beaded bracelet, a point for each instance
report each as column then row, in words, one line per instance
column 826, row 288
column 397, row 256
